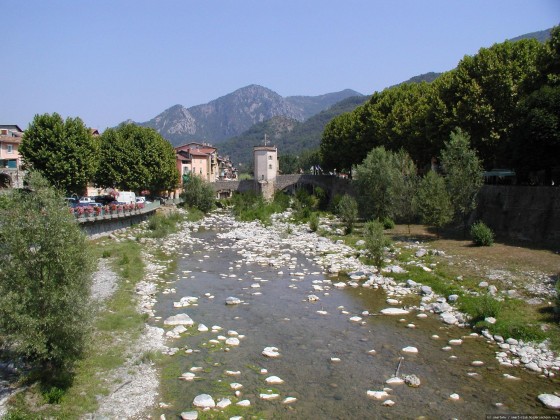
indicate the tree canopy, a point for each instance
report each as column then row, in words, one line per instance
column 503, row 97
column 136, row 158
column 64, row 151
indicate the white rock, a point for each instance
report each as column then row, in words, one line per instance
column 355, row 319
column 233, row 301
column 550, row 401
column 271, row 352
column 454, row 397
column 456, row 342
column 235, row 386
column 269, row 396
column 274, row 380
column 378, row 395
column 244, row 403
column 204, row 401
column 477, row 363
column 394, row 381
column 180, row 319
column 388, row 403
column 394, row 311
column 189, row 415
column 232, row 341
column 202, row 328
column 289, row 400
column 410, row 349
column 223, row 403
column 233, row 372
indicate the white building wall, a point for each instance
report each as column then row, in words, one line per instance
column 266, row 164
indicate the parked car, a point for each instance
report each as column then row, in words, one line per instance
column 92, row 204
column 104, row 199
column 142, row 200
column 86, row 200
column 126, row 197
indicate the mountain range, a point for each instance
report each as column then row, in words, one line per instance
column 234, row 113
column 239, row 120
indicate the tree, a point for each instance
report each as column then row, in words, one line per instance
column 376, row 181
column 433, row 202
column 347, row 210
column 45, row 278
column 463, row 174
column 376, row 241
column 199, row 194
column 136, row 158
column 405, row 189
column 64, row 151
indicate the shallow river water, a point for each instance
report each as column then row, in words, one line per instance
column 277, row 314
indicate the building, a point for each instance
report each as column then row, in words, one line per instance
column 266, row 163
column 197, row 159
column 11, row 174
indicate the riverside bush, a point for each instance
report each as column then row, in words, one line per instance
column 347, row 210
column 199, row 194
column 376, row 241
column 481, row 234
column 314, row 222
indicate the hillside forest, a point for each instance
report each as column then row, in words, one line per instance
column 506, row 98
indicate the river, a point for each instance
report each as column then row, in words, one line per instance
column 328, row 358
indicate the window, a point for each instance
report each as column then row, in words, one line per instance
column 269, row 157
column 10, row 148
column 270, row 166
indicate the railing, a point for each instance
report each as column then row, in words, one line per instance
column 111, row 212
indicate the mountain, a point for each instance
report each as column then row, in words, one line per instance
column 311, row 105
column 232, row 114
column 290, row 136
column 541, row 36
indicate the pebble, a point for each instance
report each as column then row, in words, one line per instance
column 289, row 400
column 550, row 401
column 378, row 395
column 204, row 401
column 394, row 311
column 271, row 352
column 189, row 415
column 274, row 380
column 244, row 403
column 454, row 397
column 410, row 349
column 388, row 403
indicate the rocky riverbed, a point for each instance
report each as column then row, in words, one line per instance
column 308, row 265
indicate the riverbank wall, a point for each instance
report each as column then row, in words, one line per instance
column 521, row 213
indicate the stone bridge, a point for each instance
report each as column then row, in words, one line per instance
column 331, row 184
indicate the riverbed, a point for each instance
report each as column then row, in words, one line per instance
column 333, row 351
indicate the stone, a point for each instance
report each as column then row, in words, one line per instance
column 274, row 380
column 550, row 401
column 180, row 319
column 378, row 395
column 244, row 403
column 412, row 380
column 223, row 403
column 452, row 298
column 534, row 367
column 289, row 400
column 189, row 415
column 420, row 253
column 426, row 290
column 410, row 349
column 454, row 397
column 483, row 284
column 394, row 311
column 355, row 319
column 449, row 318
column 271, row 352
column 388, row 403
column 490, row 320
column 455, row 342
column 232, row 341
column 233, row 301
column 394, row 381
column 411, row 283
column 269, row 396
column 204, row 401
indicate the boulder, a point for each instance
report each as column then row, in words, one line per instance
column 204, row 401
column 550, row 401
column 180, row 319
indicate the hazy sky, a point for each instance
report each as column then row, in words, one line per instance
column 109, row 60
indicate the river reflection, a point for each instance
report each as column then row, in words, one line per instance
column 278, row 314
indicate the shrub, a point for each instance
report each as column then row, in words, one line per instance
column 347, row 210
column 45, row 277
column 388, row 223
column 314, row 222
column 481, row 234
column 480, row 307
column 199, row 194
column 376, row 241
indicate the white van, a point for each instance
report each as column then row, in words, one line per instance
column 126, row 197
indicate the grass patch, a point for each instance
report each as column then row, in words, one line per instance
column 163, row 224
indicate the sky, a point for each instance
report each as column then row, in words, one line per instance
column 107, row 61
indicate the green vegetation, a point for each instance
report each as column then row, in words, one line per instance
column 45, row 277
column 162, row 224
column 481, row 234
column 250, row 206
column 199, row 194
column 63, row 151
column 136, row 158
column 433, row 201
column 347, row 210
column 504, row 97
column 376, row 241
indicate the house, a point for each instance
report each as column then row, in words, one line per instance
column 197, row 159
column 11, row 174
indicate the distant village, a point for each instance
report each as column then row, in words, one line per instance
column 200, row 159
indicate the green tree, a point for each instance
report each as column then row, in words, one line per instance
column 289, row 164
column 405, row 189
column 347, row 210
column 485, row 91
column 64, row 151
column 136, row 158
column 376, row 241
column 199, row 194
column 433, row 202
column 376, row 181
column 463, row 174
column 45, row 278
